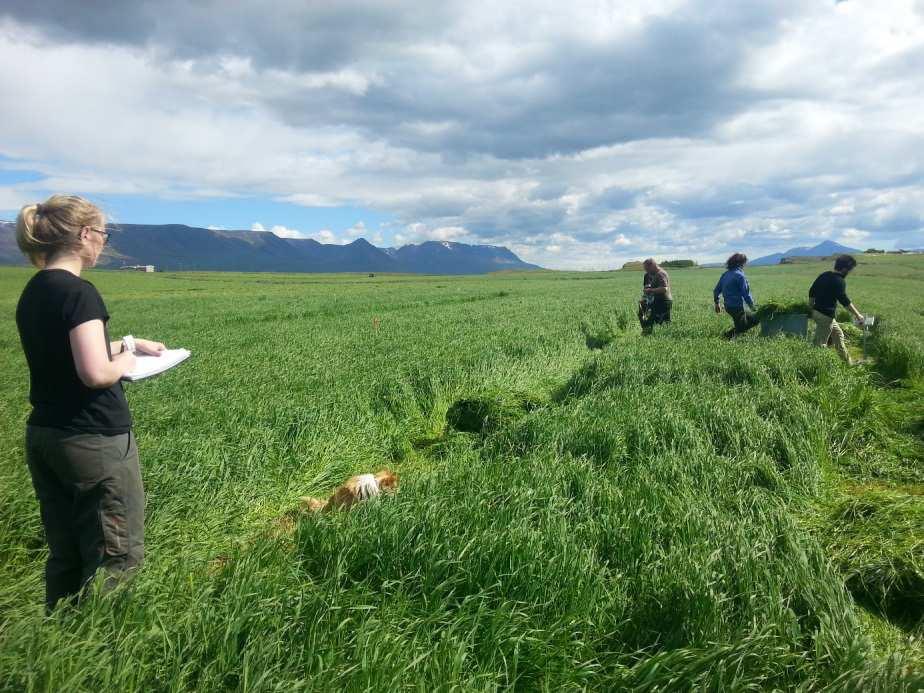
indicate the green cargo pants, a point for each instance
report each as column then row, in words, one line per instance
column 92, row 504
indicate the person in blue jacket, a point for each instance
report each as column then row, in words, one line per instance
column 736, row 292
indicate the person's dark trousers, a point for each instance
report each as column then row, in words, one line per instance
column 743, row 320
column 661, row 310
column 92, row 504
column 657, row 314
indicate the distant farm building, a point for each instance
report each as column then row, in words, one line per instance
column 139, row 268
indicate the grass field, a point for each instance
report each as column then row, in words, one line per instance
column 657, row 513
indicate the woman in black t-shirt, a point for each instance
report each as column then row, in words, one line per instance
column 79, row 444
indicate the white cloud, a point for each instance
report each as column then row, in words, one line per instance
column 284, row 232
column 463, row 121
column 420, row 232
column 322, row 236
column 325, row 236
column 853, row 236
column 356, row 231
column 447, row 233
column 12, row 198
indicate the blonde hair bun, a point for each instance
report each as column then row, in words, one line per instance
column 53, row 226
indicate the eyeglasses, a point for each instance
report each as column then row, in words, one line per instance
column 103, row 232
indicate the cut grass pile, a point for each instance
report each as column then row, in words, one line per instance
column 773, row 307
column 661, row 513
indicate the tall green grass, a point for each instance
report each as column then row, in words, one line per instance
column 652, row 513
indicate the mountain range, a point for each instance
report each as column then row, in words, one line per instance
column 823, row 249
column 175, row 247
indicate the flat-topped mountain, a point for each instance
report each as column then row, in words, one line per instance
column 179, row 247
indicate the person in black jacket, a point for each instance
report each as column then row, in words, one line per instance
column 829, row 289
column 80, row 447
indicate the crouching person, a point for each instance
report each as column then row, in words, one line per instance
column 829, row 289
column 736, row 292
column 80, row 447
column 657, row 300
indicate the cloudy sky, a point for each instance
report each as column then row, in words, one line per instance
column 578, row 134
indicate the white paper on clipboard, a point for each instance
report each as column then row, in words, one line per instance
column 146, row 366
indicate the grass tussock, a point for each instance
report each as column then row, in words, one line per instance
column 603, row 332
column 898, row 357
column 483, row 415
column 875, row 537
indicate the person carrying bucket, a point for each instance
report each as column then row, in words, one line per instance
column 829, row 289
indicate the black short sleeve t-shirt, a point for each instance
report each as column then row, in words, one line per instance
column 53, row 303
